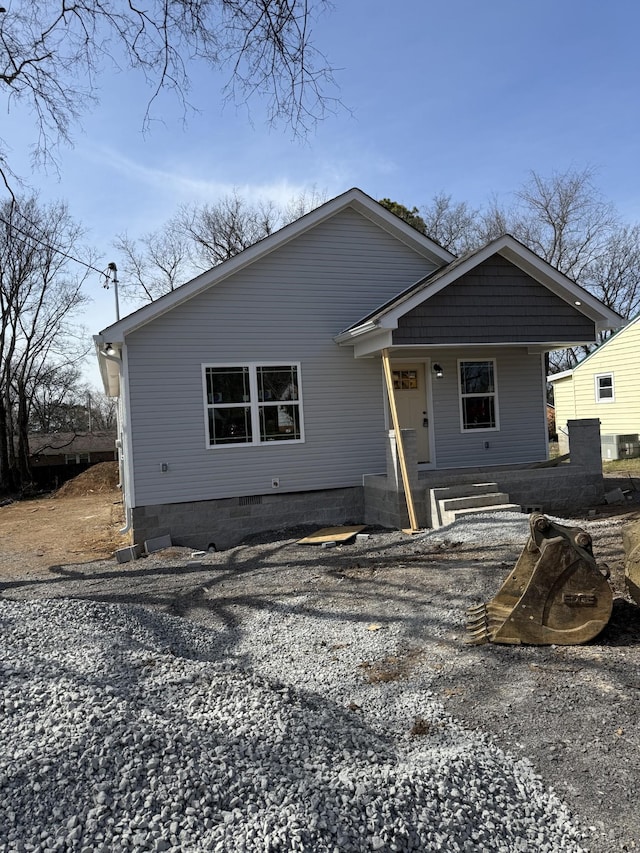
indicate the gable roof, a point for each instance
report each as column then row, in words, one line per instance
column 353, row 198
column 566, row 374
column 386, row 317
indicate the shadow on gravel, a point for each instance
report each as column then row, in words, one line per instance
column 574, row 710
column 424, row 590
column 624, row 625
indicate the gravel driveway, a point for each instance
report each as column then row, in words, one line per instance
column 370, row 634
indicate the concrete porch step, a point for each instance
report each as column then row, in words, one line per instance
column 462, row 491
column 507, row 507
column 449, row 503
column 492, row 498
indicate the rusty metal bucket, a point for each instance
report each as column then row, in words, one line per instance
column 555, row 594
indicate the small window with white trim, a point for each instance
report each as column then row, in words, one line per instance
column 252, row 403
column 478, row 396
column 604, row 388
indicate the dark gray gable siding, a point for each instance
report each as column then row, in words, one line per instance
column 495, row 303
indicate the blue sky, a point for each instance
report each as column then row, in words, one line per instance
column 458, row 97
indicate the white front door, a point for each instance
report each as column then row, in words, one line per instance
column 410, row 392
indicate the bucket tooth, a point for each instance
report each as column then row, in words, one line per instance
column 477, row 626
column 478, row 637
column 476, row 612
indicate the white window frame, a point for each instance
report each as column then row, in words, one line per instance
column 598, row 389
column 494, row 394
column 254, row 404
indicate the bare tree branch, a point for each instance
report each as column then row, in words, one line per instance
column 51, row 54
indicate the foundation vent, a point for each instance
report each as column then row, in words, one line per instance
column 248, row 500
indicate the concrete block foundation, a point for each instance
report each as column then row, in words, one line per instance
column 224, row 523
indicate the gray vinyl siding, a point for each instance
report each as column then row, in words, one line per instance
column 521, row 436
column 495, row 303
column 284, row 308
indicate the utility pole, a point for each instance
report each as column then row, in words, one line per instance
column 113, row 269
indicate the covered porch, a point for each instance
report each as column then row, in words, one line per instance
column 560, row 490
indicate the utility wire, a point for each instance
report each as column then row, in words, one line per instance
column 51, row 248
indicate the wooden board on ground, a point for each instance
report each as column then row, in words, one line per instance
column 332, row 534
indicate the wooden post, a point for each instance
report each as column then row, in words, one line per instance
column 386, row 364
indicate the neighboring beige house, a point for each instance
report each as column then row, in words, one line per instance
column 605, row 385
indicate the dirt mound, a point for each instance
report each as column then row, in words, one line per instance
column 98, row 479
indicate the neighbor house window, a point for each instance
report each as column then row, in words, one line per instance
column 252, row 403
column 76, row 458
column 604, row 388
column 478, row 398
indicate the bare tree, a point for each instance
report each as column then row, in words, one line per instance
column 51, row 55
column 614, row 276
column 155, row 264
column 454, row 225
column 38, row 297
column 493, row 221
column 302, row 204
column 219, row 231
column 54, row 400
column 103, row 410
column 565, row 220
column 62, row 403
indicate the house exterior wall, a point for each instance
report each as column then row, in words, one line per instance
column 575, row 395
column 284, row 308
column 488, row 306
column 564, row 403
column 521, row 386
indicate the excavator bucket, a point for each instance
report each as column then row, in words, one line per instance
column 555, row 594
column 631, row 543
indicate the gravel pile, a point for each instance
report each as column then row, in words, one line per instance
column 128, row 730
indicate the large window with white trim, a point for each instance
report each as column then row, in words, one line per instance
column 252, row 403
column 478, row 395
column 605, row 392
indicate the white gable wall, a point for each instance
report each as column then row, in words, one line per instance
column 285, row 307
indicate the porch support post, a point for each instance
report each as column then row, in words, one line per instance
column 386, row 365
